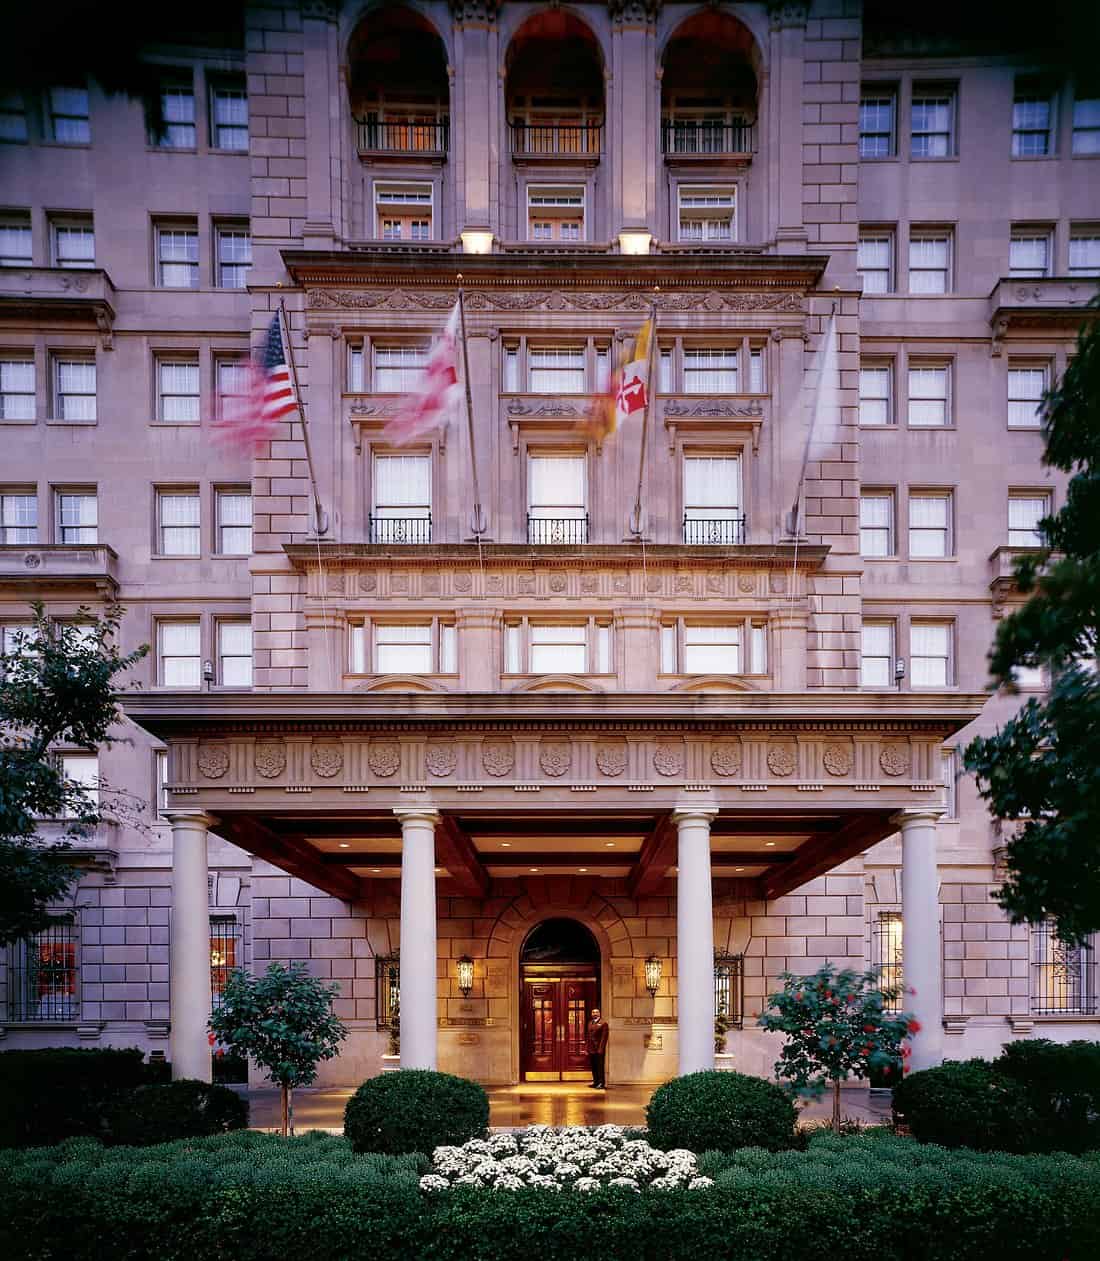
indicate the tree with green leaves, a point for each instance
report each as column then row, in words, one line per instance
column 284, row 1021
column 837, row 1026
column 59, row 684
column 1040, row 772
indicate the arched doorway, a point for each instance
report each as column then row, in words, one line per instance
column 559, row 980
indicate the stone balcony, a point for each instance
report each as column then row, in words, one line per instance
column 90, row 568
column 61, row 296
column 1002, row 574
column 1052, row 304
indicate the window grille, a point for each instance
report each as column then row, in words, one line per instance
column 887, row 956
column 729, row 989
column 1062, row 976
column 42, row 978
column 225, row 954
column 387, row 989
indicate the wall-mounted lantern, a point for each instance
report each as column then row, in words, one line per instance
column 465, row 975
column 653, row 975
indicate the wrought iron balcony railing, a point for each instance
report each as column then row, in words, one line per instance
column 557, row 530
column 401, row 136
column 565, row 140
column 719, row 532
column 400, row 529
column 697, row 135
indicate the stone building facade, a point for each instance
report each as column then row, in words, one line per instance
column 418, row 746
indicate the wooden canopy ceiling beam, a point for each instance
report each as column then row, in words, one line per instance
column 455, row 851
column 289, row 855
column 823, row 853
column 657, row 856
column 560, row 859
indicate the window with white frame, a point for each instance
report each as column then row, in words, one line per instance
column 929, row 398
column 70, row 121
column 233, row 515
column 398, row 369
column 15, row 241
column 875, row 260
column 707, row 214
column 177, row 253
column 712, row 499
column 177, row 108
column 930, row 657
column 74, row 382
column 229, row 115
column 929, row 261
column 82, row 770
column 356, row 374
column 1086, row 125
column 401, row 508
column 1084, row 251
column 428, row 647
column 690, row 647
column 178, row 523
column 77, row 516
column 403, row 212
column 178, row 390
column 557, row 486
column 932, row 121
column 17, row 390
column 876, row 662
column 1029, row 678
column 1032, row 115
column 160, row 783
column 876, row 523
column 1025, row 510
column 232, row 382
column 710, row 370
column 876, row 404
column 556, row 369
column 73, row 242
column 555, row 213
column 18, row 516
column 582, row 646
column 179, row 654
column 13, row 117
column 1029, row 253
column 234, row 640
column 234, row 245
column 877, row 121
column 930, row 524
column 1027, row 383
column 16, row 639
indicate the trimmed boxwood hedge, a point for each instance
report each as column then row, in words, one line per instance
column 252, row 1196
column 415, row 1110
column 711, row 1111
column 178, row 1109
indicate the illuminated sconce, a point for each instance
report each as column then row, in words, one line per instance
column 635, row 240
column 477, row 240
column 653, row 975
column 465, row 975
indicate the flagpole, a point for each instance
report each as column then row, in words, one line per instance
column 478, row 522
column 320, row 519
column 636, row 515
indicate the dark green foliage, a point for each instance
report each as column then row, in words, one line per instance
column 1041, row 770
column 415, row 1110
column 52, row 1094
column 1063, row 1083
column 252, row 1197
column 179, row 1109
column 720, row 1112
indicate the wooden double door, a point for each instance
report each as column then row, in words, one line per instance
column 556, row 1003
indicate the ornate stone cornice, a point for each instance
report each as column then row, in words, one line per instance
column 634, row 12
column 400, row 299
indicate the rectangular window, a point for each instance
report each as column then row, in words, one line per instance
column 234, row 257
column 877, row 655
column 876, row 523
column 179, row 661
column 929, row 262
column 178, row 391
column 229, row 116
column 74, row 389
column 933, row 121
column 225, row 954
column 712, row 649
column 43, row 975
column 232, row 376
column 13, row 117
column 398, row 369
column 1031, row 121
column 402, row 649
column 928, row 395
column 235, row 654
column 930, row 654
column 177, row 257
column 707, row 214
column 556, row 370
column 357, row 381
column 77, row 517
column 402, row 508
column 424, row 647
column 555, row 214
column 17, row 399
column 234, row 522
column 1026, row 387
column 69, row 117
column 1084, row 252
column 74, row 243
column 403, row 212
column 15, row 639
column 930, row 526
column 1063, row 977
column 710, row 371
column 18, row 517
column 887, row 957
column 558, row 649
column 82, row 770
column 875, row 394
column 877, row 113
column 178, row 522
column 1086, row 125
column 557, row 510
column 1025, row 511
column 712, row 500
column 875, row 261
column 756, row 372
column 1029, row 254
column 177, row 105
column 15, row 242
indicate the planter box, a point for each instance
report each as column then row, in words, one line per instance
column 391, row 1063
column 723, row 1062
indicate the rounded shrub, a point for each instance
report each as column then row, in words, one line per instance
column 968, row 1104
column 179, row 1109
column 415, row 1110
column 720, row 1112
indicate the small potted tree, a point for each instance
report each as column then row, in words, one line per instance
column 391, row 1060
column 284, row 1021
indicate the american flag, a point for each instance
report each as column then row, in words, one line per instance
column 248, row 418
column 438, row 392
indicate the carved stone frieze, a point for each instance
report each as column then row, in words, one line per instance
column 384, row 758
column 213, row 760
column 368, row 581
column 725, row 759
column 895, row 759
column 682, row 409
column 441, row 759
column 788, row 13
column 463, row 580
column 269, row 758
column 550, row 300
column 498, row 757
column 782, row 760
column 384, row 407
column 668, row 758
column 555, row 757
column 837, row 759
column 547, row 408
column 611, row 758
column 327, row 760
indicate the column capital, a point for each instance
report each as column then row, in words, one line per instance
column 681, row 814
column 410, row 814
column 922, row 814
column 195, row 817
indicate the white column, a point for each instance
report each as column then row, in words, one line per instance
column 922, row 968
column 694, row 940
column 418, row 933
column 189, row 947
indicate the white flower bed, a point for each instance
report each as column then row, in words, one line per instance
column 562, row 1160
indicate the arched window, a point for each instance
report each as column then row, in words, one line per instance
column 709, row 88
column 554, row 89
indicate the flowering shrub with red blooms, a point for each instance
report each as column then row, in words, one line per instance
column 837, row 1027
